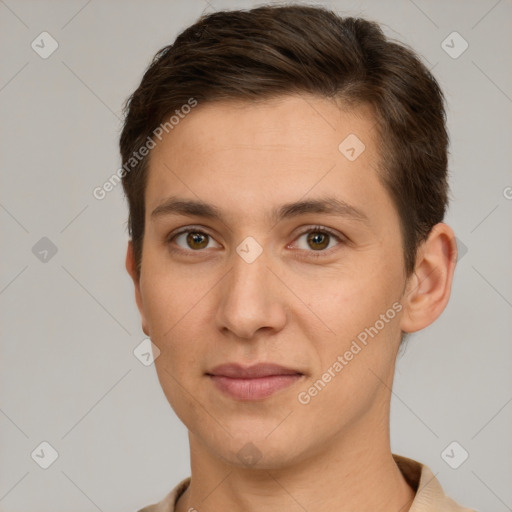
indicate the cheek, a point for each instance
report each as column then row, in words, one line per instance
column 160, row 305
column 363, row 310
column 174, row 305
column 167, row 295
column 349, row 302
column 356, row 361
column 172, row 311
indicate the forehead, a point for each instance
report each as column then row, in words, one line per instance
column 301, row 123
column 272, row 151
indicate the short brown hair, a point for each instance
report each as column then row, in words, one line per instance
column 277, row 50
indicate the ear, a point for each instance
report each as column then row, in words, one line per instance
column 132, row 270
column 428, row 288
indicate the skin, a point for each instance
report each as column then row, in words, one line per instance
column 206, row 306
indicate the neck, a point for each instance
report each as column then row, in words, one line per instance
column 349, row 474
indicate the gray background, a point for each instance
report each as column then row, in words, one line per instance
column 69, row 324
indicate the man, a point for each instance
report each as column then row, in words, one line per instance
column 285, row 171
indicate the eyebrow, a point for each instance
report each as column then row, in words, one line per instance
column 326, row 205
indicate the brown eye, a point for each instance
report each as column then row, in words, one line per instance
column 318, row 240
column 196, row 240
column 191, row 240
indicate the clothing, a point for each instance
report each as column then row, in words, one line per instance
column 430, row 496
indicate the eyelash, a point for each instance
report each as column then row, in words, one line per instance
column 311, row 229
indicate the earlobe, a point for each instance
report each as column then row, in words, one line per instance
column 132, row 270
column 429, row 287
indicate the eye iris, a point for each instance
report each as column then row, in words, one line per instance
column 197, row 238
column 318, row 238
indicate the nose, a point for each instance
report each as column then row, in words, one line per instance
column 251, row 299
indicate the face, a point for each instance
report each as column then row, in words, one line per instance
column 255, row 278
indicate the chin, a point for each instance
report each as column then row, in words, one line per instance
column 253, row 451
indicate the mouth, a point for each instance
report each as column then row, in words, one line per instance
column 255, row 382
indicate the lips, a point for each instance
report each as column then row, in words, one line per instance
column 237, row 371
column 255, row 382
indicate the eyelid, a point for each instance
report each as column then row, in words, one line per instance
column 321, row 229
column 186, row 229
